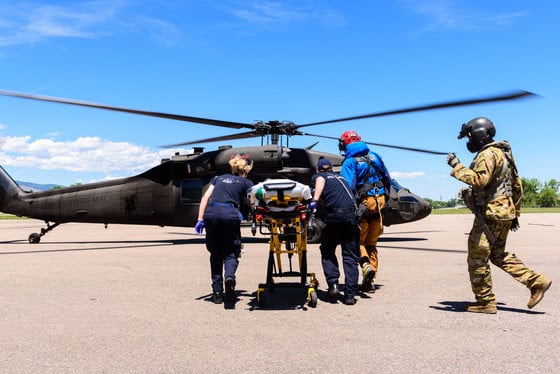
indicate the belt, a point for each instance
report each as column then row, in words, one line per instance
column 230, row 205
column 342, row 210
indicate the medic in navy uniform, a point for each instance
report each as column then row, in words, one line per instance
column 220, row 212
column 341, row 227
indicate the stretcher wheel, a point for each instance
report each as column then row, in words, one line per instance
column 261, row 298
column 312, row 299
column 313, row 281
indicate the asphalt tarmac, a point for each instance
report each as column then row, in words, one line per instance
column 136, row 299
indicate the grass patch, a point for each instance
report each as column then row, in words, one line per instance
column 541, row 210
column 10, row 216
column 451, row 211
column 467, row 211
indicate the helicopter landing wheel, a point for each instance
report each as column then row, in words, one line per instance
column 34, row 238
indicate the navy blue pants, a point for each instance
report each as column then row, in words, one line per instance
column 347, row 234
column 223, row 241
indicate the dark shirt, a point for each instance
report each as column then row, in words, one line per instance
column 230, row 189
column 338, row 201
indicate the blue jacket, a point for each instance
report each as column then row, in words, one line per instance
column 354, row 169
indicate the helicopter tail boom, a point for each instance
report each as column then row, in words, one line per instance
column 9, row 192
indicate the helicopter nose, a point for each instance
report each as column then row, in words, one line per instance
column 425, row 210
column 412, row 207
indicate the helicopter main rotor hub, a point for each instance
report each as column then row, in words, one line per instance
column 275, row 128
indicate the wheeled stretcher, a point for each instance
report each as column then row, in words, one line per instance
column 280, row 211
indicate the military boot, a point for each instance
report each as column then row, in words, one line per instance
column 537, row 292
column 482, row 307
column 368, row 274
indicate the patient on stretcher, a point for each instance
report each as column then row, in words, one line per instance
column 279, row 195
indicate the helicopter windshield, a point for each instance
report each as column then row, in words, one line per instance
column 396, row 185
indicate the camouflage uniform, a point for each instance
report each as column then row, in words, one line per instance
column 499, row 206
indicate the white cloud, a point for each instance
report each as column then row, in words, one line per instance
column 31, row 22
column 85, row 154
column 450, row 15
column 407, row 175
column 267, row 13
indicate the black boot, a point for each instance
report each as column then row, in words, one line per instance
column 333, row 291
column 230, row 289
column 349, row 300
column 218, row 297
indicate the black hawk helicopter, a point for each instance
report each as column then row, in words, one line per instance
column 169, row 193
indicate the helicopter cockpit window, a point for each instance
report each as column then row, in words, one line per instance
column 191, row 191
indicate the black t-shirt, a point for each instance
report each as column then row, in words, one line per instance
column 336, row 197
column 230, row 189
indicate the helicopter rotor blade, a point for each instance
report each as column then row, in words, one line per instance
column 244, row 135
column 409, row 148
column 386, row 145
column 518, row 94
column 273, row 128
column 178, row 117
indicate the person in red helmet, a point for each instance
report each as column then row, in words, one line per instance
column 366, row 173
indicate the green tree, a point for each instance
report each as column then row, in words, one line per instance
column 535, row 193
column 445, row 204
column 530, row 191
column 548, row 195
column 553, row 183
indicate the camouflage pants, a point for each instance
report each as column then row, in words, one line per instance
column 480, row 252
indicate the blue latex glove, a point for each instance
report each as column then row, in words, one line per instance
column 312, row 206
column 199, row 227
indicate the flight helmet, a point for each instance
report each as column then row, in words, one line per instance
column 480, row 131
column 347, row 137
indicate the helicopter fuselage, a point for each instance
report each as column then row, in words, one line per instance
column 169, row 193
column 166, row 195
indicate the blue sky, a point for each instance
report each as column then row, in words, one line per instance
column 301, row 61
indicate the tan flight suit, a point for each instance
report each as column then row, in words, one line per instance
column 371, row 229
column 499, row 210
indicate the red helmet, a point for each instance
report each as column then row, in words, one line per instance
column 346, row 138
column 350, row 136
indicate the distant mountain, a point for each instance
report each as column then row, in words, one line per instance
column 35, row 186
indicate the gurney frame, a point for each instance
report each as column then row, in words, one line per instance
column 288, row 237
